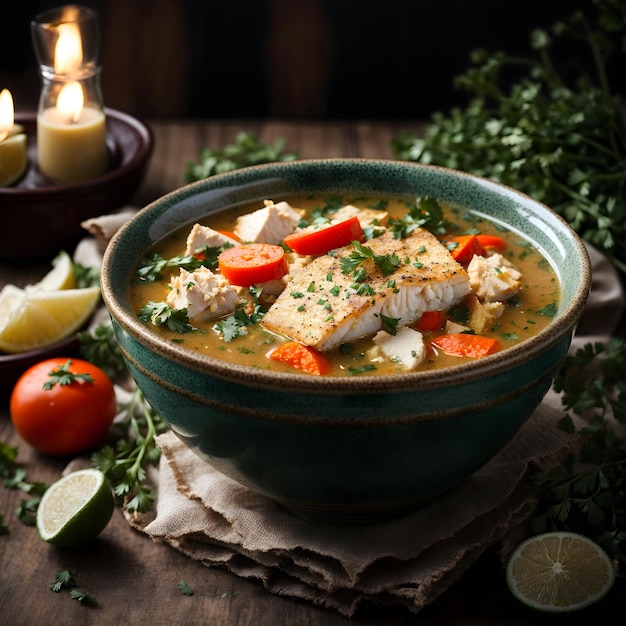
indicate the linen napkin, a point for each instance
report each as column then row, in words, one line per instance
column 407, row 561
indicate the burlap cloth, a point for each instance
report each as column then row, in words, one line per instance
column 407, row 561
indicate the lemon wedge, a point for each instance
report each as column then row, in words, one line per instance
column 61, row 276
column 37, row 318
column 13, row 157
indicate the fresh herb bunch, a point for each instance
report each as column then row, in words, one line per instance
column 587, row 493
column 563, row 144
column 247, row 150
column 125, row 463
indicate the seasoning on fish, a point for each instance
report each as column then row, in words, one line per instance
column 323, row 306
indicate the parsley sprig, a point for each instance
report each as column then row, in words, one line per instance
column 64, row 581
column 14, row 477
column 161, row 314
column 425, row 213
column 63, row 376
column 587, row 493
column 247, row 149
column 561, row 140
column 387, row 263
column 234, row 325
column 125, row 463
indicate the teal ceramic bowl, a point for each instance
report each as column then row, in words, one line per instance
column 351, row 450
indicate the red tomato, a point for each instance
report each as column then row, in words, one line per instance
column 63, row 406
column 316, row 240
column 252, row 263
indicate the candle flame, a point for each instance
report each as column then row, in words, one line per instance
column 6, row 113
column 71, row 100
column 68, row 52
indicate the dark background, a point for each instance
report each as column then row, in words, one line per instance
column 294, row 59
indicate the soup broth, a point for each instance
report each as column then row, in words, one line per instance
column 523, row 314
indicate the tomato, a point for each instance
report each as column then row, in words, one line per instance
column 252, row 263
column 63, row 406
column 316, row 240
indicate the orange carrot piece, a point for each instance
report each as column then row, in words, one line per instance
column 465, row 344
column 431, row 321
column 301, row 357
column 466, row 247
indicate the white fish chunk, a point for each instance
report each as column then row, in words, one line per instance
column 322, row 307
column 271, row 224
column 406, row 346
column 493, row 278
column 367, row 217
column 203, row 236
column 205, row 295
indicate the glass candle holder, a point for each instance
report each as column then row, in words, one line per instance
column 71, row 124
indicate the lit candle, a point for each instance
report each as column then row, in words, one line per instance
column 71, row 134
column 13, row 158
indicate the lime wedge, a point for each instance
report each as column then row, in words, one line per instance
column 75, row 509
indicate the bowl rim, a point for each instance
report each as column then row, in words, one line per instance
column 410, row 381
column 144, row 149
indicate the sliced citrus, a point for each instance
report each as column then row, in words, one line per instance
column 75, row 509
column 61, row 276
column 13, row 159
column 559, row 572
column 10, row 298
column 39, row 318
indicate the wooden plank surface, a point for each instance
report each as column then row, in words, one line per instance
column 135, row 580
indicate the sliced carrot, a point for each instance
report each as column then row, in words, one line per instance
column 301, row 357
column 492, row 241
column 431, row 321
column 465, row 344
column 464, row 247
column 252, row 263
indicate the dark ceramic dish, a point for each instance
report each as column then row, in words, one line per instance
column 345, row 449
column 40, row 218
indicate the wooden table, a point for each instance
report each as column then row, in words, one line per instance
column 135, row 580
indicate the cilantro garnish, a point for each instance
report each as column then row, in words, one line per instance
column 161, row 314
column 387, row 263
column 62, row 376
column 234, row 325
column 425, row 213
column 390, row 324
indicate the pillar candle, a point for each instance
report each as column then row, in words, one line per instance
column 72, row 151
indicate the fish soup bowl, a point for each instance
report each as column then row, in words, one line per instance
column 349, row 449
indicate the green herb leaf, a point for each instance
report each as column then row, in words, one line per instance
column 247, row 150
column 161, row 314
column 63, row 377
column 125, row 464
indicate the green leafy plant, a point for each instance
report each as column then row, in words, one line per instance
column 564, row 144
column 587, row 493
column 125, row 463
column 246, row 150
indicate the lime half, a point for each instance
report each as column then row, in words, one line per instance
column 75, row 509
column 559, row 572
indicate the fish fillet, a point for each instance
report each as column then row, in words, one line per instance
column 322, row 307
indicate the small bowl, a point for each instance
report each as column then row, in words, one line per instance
column 345, row 450
column 40, row 218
